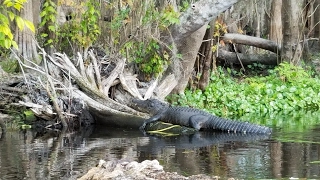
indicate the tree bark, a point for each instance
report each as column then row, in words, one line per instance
column 199, row 14
column 25, row 38
column 188, row 48
column 292, row 27
column 208, row 58
column 275, row 22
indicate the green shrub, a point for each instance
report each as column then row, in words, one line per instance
column 9, row 65
column 287, row 88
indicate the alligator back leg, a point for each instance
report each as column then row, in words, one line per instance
column 197, row 121
column 236, row 126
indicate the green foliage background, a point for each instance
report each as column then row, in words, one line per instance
column 8, row 14
column 286, row 90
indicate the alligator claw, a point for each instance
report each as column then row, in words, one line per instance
column 142, row 128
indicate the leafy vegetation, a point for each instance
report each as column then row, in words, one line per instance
column 149, row 57
column 147, row 50
column 81, row 30
column 286, row 89
column 48, row 20
column 8, row 15
column 9, row 65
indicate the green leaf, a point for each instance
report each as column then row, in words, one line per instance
column 18, row 6
column 11, row 15
column 4, row 20
column 6, row 30
column 14, row 44
column 20, row 23
column 43, row 13
column 46, row 4
column 44, row 35
column 5, row 2
column 30, row 25
column 51, row 28
column 7, row 43
column 9, row 3
column 51, row 9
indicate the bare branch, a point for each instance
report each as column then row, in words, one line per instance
column 107, row 83
column 96, row 70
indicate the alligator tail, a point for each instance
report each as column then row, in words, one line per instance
column 237, row 126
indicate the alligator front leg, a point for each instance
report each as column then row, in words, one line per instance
column 152, row 119
column 197, row 121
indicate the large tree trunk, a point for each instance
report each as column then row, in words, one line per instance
column 188, row 35
column 275, row 22
column 316, row 27
column 292, row 11
column 188, row 48
column 208, row 60
column 25, row 38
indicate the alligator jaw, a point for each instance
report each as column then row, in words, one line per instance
column 141, row 105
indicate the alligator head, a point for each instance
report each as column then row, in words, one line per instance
column 150, row 106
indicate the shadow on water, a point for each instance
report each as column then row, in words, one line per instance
column 68, row 155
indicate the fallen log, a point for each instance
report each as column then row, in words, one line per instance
column 246, row 59
column 252, row 41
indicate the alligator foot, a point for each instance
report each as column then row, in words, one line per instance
column 142, row 128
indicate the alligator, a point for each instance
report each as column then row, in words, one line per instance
column 194, row 118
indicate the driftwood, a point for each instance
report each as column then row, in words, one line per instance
column 166, row 86
column 90, row 87
column 74, row 82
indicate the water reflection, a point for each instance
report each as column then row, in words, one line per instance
column 68, row 155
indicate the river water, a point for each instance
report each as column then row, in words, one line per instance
column 68, row 155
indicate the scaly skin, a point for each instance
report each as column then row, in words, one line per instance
column 194, row 118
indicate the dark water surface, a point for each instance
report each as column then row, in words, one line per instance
column 285, row 154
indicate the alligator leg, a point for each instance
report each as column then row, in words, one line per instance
column 152, row 119
column 196, row 121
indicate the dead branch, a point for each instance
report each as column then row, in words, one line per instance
column 107, row 83
column 52, row 92
column 96, row 70
column 166, row 86
column 129, row 84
